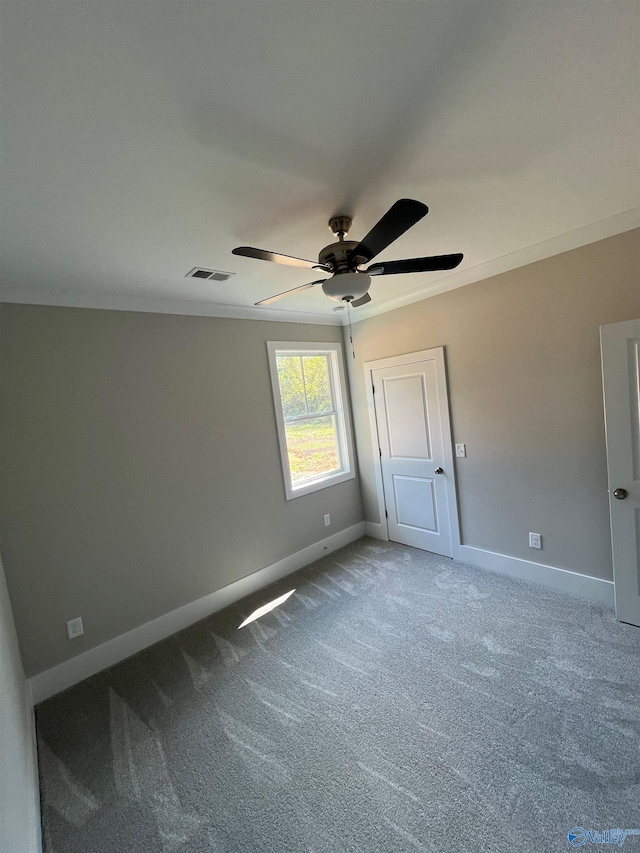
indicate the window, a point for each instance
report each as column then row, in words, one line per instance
column 312, row 415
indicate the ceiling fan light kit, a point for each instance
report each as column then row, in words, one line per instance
column 346, row 287
column 348, row 283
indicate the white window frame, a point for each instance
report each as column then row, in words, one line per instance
column 341, row 411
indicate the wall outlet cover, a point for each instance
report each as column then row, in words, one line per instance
column 74, row 628
column 327, row 520
column 535, row 541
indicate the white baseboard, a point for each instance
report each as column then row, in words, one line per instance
column 571, row 583
column 375, row 531
column 64, row 675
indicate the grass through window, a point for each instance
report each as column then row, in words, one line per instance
column 312, row 447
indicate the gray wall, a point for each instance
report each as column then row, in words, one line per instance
column 19, row 812
column 525, row 392
column 141, row 468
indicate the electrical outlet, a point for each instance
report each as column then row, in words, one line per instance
column 74, row 628
column 327, row 520
column 461, row 450
column 535, row 541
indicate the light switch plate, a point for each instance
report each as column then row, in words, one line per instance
column 461, row 450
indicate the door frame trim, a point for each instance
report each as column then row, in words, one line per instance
column 616, row 398
column 438, row 355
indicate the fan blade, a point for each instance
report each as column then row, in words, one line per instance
column 398, row 219
column 437, row 262
column 288, row 260
column 300, row 287
column 362, row 301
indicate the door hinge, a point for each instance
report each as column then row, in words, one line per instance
column 380, row 452
column 386, row 514
column 373, row 388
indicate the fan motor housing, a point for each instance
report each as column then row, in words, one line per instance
column 338, row 256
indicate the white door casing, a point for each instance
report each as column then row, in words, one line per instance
column 412, row 436
column 620, row 343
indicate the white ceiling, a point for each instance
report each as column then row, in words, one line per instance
column 141, row 139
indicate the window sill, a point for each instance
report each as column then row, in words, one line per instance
column 320, row 483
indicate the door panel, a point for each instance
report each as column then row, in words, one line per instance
column 406, row 413
column 408, row 403
column 415, row 503
column 621, row 378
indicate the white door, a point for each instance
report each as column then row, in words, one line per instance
column 621, row 377
column 415, row 451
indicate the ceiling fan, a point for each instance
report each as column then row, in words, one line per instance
column 342, row 260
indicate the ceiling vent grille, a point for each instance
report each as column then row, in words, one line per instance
column 210, row 275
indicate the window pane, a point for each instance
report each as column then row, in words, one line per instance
column 291, row 385
column 316, row 377
column 312, row 447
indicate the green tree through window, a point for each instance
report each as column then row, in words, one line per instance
column 305, row 387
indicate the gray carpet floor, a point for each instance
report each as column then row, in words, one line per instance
column 398, row 701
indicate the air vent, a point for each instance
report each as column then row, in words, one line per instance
column 211, row 275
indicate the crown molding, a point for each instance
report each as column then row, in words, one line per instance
column 618, row 224
column 155, row 305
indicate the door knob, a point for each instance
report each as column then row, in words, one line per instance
column 441, row 471
column 621, row 494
